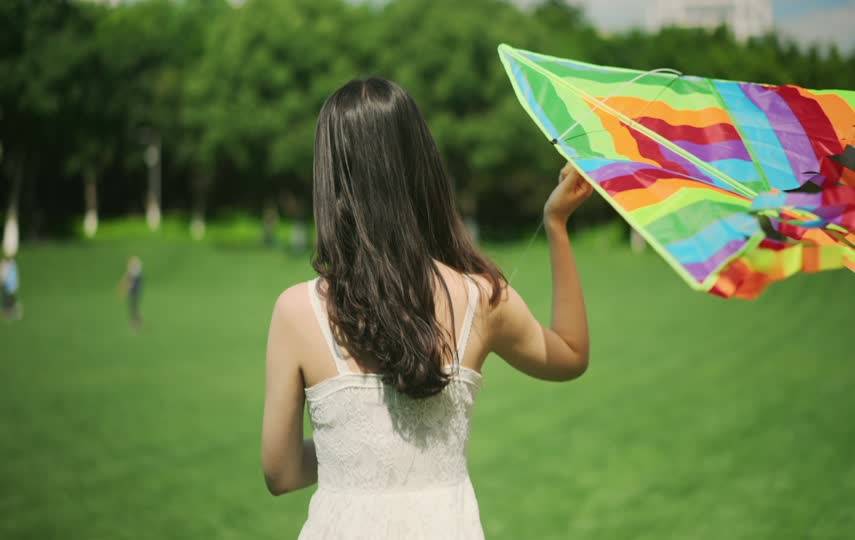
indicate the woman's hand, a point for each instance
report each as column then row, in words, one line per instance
column 568, row 195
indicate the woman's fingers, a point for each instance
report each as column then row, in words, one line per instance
column 571, row 191
column 566, row 171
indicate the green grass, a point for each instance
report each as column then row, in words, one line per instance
column 698, row 419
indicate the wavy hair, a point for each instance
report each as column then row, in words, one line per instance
column 385, row 214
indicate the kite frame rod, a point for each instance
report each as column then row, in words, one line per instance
column 743, row 190
column 622, row 86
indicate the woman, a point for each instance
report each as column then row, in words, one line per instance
column 388, row 343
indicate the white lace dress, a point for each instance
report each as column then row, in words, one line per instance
column 389, row 466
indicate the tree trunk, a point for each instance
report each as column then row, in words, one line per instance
column 298, row 236
column 469, row 209
column 474, row 229
column 636, row 241
column 270, row 219
column 11, row 233
column 201, row 185
column 90, row 196
column 153, row 162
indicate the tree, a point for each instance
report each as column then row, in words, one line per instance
column 254, row 97
column 90, row 112
column 215, row 104
column 152, row 44
column 39, row 51
column 444, row 53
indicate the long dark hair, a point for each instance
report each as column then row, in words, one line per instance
column 384, row 211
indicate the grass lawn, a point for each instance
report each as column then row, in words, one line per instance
column 698, row 419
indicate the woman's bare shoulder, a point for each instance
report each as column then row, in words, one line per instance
column 294, row 305
column 487, row 290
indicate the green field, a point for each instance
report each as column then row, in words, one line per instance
column 698, row 418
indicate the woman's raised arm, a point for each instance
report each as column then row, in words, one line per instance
column 560, row 351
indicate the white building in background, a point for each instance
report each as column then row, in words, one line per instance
column 746, row 18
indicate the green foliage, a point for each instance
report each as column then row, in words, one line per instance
column 235, row 230
column 233, row 92
column 255, row 94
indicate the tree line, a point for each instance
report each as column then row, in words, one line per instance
column 207, row 107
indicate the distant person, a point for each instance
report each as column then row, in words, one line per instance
column 10, row 284
column 387, row 344
column 132, row 283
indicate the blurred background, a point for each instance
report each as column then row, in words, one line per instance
column 155, row 190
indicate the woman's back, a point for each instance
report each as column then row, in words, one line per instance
column 389, row 465
column 417, row 307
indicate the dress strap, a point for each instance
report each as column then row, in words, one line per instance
column 473, row 294
column 324, row 323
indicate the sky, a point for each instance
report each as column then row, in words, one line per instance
column 806, row 21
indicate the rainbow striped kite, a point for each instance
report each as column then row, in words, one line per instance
column 736, row 185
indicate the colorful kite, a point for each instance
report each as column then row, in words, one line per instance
column 736, row 185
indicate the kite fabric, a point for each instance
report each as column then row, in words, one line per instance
column 735, row 184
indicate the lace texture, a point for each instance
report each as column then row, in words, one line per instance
column 390, row 466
